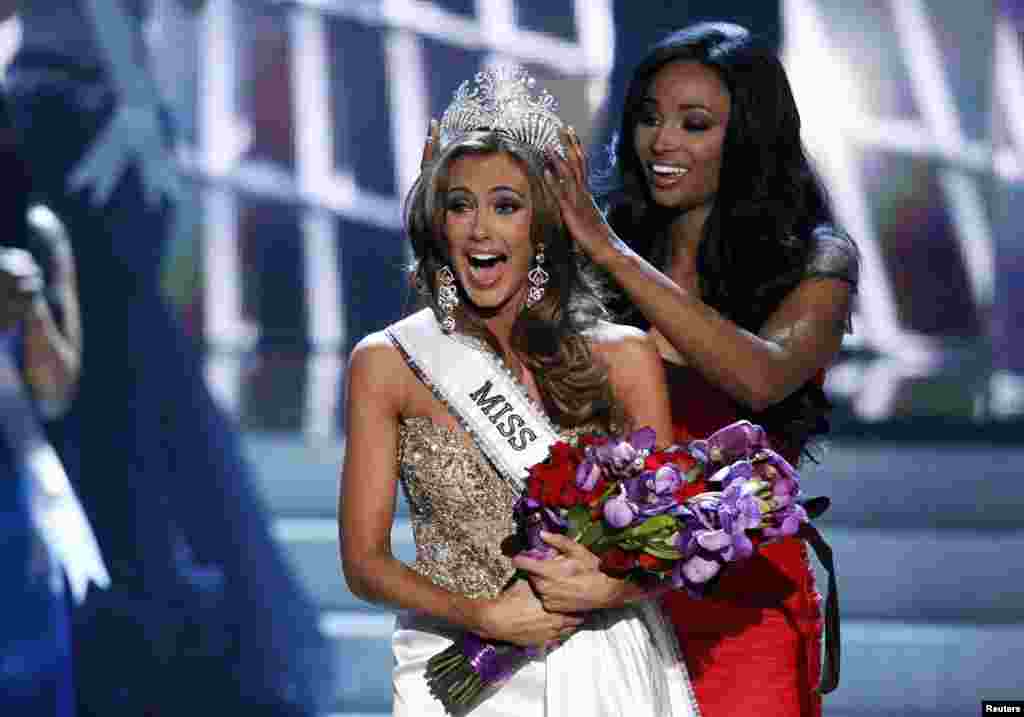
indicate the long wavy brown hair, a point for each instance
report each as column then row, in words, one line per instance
column 551, row 338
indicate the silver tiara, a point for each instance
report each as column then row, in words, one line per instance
column 502, row 100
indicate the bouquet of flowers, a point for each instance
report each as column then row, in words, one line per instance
column 676, row 516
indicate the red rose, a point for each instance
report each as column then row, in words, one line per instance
column 657, row 459
column 562, row 454
column 684, row 461
column 570, row 495
column 534, row 486
column 592, row 439
column 688, row 490
column 681, row 459
column 649, row 562
column 616, row 561
column 553, row 482
column 592, row 496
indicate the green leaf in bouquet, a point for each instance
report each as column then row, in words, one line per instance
column 593, row 534
column 608, row 539
column 579, row 520
column 650, row 527
column 663, row 552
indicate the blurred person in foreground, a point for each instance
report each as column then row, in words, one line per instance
column 48, row 554
column 204, row 615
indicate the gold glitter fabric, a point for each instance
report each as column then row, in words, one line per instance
column 461, row 508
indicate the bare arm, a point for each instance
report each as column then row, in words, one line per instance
column 574, row 582
column 637, row 377
column 377, row 386
column 52, row 352
column 801, row 337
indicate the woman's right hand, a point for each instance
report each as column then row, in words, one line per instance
column 517, row 616
column 567, row 179
column 430, row 146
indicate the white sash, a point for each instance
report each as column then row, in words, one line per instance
column 56, row 512
column 480, row 390
column 628, row 660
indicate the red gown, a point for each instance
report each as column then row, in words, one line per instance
column 753, row 647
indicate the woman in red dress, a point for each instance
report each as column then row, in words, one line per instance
column 722, row 243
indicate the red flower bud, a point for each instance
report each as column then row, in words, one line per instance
column 616, row 561
column 649, row 562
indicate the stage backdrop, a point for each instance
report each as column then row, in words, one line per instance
column 302, row 124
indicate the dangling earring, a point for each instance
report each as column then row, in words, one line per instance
column 538, row 279
column 447, row 297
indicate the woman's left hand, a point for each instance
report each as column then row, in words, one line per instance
column 572, row 581
column 567, row 179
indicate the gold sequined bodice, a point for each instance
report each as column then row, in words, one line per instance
column 461, row 507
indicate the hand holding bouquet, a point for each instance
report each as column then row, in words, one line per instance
column 677, row 515
column 658, row 517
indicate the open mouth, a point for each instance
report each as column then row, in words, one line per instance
column 666, row 175
column 486, row 261
column 667, row 170
column 486, row 269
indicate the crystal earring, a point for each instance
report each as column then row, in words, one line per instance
column 538, row 279
column 447, row 297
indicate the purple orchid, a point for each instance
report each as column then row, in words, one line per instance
column 738, row 512
column 694, row 573
column 643, row 439
column 733, row 442
column 699, row 564
column 588, row 474
column 783, row 477
column 624, row 457
column 785, row 522
column 649, row 494
column 537, row 518
column 738, row 471
column 619, row 510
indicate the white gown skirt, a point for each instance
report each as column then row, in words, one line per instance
column 622, row 662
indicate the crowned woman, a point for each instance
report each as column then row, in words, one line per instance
column 455, row 403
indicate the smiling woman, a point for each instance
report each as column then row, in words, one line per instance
column 680, row 134
column 483, row 211
column 724, row 245
column 488, row 216
column 457, row 400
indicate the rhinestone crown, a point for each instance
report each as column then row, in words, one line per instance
column 502, row 99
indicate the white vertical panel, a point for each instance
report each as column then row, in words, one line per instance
column 314, row 140
column 821, row 84
column 225, row 331
column 916, row 33
column 1009, row 90
column 409, row 104
column 10, row 39
column 595, row 27
column 222, row 141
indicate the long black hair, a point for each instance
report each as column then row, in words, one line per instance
column 768, row 212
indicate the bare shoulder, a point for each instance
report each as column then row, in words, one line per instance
column 616, row 343
column 376, row 366
column 636, row 375
column 375, row 353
